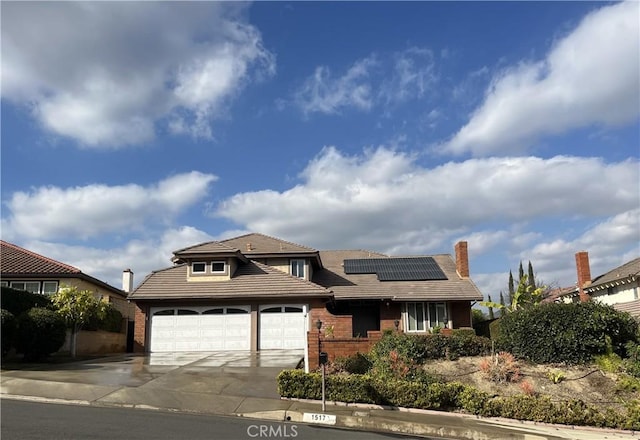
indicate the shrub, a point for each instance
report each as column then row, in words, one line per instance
column 111, row 321
column 8, row 330
column 355, row 364
column 40, row 332
column 570, row 333
column 631, row 365
column 500, row 368
column 19, row 301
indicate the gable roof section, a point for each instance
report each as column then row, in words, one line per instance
column 251, row 280
column 367, row 286
column 631, row 307
column 210, row 249
column 17, row 262
column 624, row 274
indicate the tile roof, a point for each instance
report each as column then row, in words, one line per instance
column 632, row 307
column 251, row 280
column 258, row 244
column 625, row 273
column 367, row 286
column 17, row 260
column 207, row 248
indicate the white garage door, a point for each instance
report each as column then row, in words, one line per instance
column 283, row 327
column 200, row 328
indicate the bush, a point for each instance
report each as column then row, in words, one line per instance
column 500, row 368
column 110, row 322
column 366, row 388
column 631, row 365
column 8, row 330
column 18, row 301
column 354, row 364
column 570, row 333
column 40, row 332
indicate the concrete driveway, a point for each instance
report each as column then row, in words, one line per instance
column 232, row 373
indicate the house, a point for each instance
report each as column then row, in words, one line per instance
column 257, row 292
column 23, row 269
column 619, row 287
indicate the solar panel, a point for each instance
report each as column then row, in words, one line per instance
column 396, row 269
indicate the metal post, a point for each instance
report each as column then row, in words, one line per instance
column 324, row 407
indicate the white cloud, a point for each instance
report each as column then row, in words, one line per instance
column 376, row 80
column 383, row 198
column 140, row 255
column 591, row 76
column 87, row 211
column 106, row 74
column 324, row 94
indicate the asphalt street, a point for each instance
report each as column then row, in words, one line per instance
column 23, row 420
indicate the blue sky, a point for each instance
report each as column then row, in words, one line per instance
column 130, row 130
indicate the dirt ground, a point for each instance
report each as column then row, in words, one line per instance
column 587, row 383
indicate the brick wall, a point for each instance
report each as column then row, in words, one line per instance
column 342, row 324
column 139, row 334
column 339, row 347
column 388, row 314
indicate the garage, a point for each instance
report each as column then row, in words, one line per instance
column 203, row 328
column 283, row 326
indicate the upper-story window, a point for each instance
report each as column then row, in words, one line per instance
column 297, row 268
column 198, row 267
column 218, row 267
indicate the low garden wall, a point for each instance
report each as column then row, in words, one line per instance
column 339, row 347
column 96, row 342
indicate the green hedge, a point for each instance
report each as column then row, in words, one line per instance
column 367, row 388
column 19, row 301
column 571, row 333
column 420, row 348
column 111, row 322
column 40, row 332
column 8, row 330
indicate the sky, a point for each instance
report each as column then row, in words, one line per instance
column 133, row 129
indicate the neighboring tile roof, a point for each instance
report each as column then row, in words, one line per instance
column 258, row 244
column 21, row 263
column 621, row 274
column 367, row 286
column 251, row 280
column 17, row 260
column 632, row 307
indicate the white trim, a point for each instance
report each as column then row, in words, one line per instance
column 219, row 272
column 193, row 272
column 304, row 267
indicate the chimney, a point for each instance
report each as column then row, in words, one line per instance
column 249, row 247
column 584, row 274
column 127, row 280
column 462, row 259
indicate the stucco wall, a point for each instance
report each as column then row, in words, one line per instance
column 96, row 342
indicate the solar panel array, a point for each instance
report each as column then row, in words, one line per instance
column 396, row 269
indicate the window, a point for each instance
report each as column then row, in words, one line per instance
column 198, row 267
column 272, row 310
column 297, row 268
column 187, row 312
column 49, row 287
column 235, row 311
column 4, row 284
column 421, row 316
column 164, row 312
column 415, row 317
column 29, row 286
column 217, row 311
column 217, row 267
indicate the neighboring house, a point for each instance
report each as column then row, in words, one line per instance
column 619, row 287
column 26, row 270
column 257, row 292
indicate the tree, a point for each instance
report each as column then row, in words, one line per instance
column 523, row 297
column 77, row 307
column 477, row 316
column 491, row 316
column 532, row 277
column 520, row 271
column 512, row 288
column 502, row 304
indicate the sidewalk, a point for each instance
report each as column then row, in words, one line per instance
column 192, row 388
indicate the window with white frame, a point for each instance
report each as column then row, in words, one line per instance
column 29, row 286
column 49, row 287
column 420, row 316
column 4, row 283
column 297, row 268
column 198, row 267
column 218, row 267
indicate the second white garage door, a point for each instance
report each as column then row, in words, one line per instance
column 200, row 328
column 282, row 327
